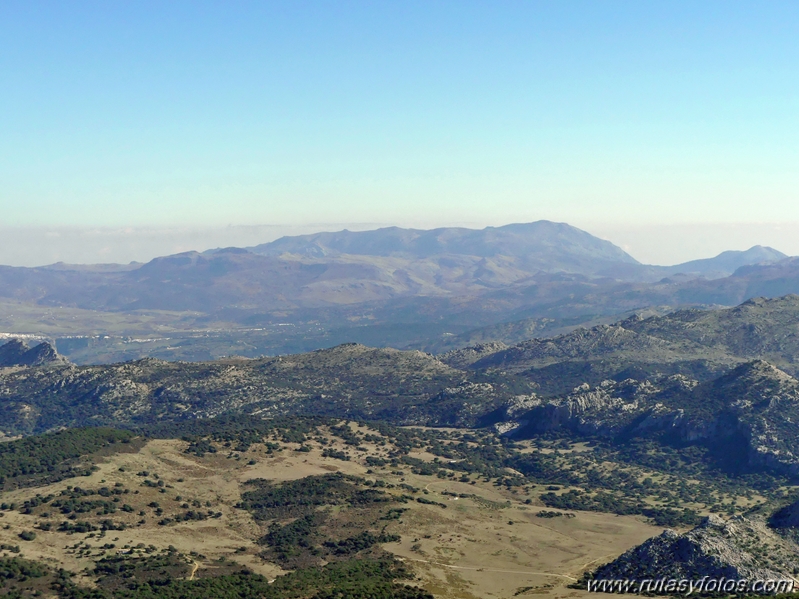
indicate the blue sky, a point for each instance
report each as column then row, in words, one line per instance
column 202, row 114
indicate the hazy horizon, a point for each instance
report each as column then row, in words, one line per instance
column 662, row 245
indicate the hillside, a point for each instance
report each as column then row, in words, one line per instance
column 746, row 415
column 349, row 380
column 741, row 549
column 256, row 475
column 698, row 343
column 410, row 387
column 698, row 377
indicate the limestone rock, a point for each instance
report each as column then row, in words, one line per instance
column 733, row 549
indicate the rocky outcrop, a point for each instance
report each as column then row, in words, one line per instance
column 43, row 354
column 740, row 548
column 754, row 407
column 17, row 353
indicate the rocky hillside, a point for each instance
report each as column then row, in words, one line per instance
column 724, row 379
column 758, row 328
column 741, row 548
column 698, row 343
column 748, row 415
column 349, row 380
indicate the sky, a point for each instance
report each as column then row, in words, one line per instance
column 133, row 129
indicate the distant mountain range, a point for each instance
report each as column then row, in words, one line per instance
column 365, row 284
column 542, row 245
column 327, row 269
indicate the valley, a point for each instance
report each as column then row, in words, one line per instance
column 433, row 290
column 464, row 535
column 157, row 450
column 399, row 300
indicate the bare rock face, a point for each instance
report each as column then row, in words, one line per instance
column 734, row 549
column 607, row 409
column 753, row 409
column 18, row 353
column 43, row 354
column 521, row 404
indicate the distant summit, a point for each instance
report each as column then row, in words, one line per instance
column 728, row 262
column 551, row 245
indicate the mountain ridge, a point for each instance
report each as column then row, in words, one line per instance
column 697, row 343
column 409, row 287
column 515, row 239
column 726, row 263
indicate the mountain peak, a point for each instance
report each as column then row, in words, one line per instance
column 17, row 353
column 759, row 369
column 755, row 381
column 542, row 241
column 726, row 263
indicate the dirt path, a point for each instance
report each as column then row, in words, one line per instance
column 584, row 567
column 194, row 570
column 476, row 569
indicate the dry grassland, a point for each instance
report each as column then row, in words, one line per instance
column 490, row 545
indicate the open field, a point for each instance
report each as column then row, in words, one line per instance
column 489, row 544
column 20, row 318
